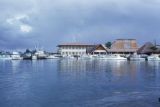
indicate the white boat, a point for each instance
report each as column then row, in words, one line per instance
column 68, row 57
column 153, row 57
column 40, row 55
column 86, row 57
column 34, row 57
column 111, row 57
column 5, row 57
column 16, row 56
column 52, row 57
column 136, row 57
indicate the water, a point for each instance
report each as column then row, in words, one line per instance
column 79, row 83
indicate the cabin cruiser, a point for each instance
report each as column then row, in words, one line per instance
column 16, row 56
column 136, row 57
column 153, row 57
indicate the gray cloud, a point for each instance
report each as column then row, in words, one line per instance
column 25, row 23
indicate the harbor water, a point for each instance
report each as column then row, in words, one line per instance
column 79, row 83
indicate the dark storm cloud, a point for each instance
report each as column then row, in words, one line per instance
column 48, row 23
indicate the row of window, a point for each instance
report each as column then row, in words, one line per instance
column 73, row 53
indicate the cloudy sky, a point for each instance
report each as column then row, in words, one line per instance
column 46, row 23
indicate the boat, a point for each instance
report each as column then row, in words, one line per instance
column 52, row 57
column 153, row 57
column 111, row 57
column 136, row 57
column 68, row 57
column 27, row 56
column 16, row 56
column 5, row 57
column 34, row 57
column 40, row 54
column 86, row 57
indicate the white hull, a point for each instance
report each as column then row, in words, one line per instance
column 34, row 57
column 153, row 58
column 52, row 57
column 111, row 57
column 137, row 59
column 86, row 57
column 17, row 58
column 6, row 58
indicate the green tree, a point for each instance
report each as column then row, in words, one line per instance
column 108, row 44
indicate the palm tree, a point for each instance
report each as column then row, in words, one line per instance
column 108, row 44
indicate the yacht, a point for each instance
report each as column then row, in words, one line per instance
column 153, row 57
column 136, row 57
column 16, row 56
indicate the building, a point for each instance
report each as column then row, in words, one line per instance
column 149, row 48
column 119, row 46
column 99, row 50
column 124, row 46
column 71, row 49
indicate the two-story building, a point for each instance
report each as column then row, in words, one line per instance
column 71, row 49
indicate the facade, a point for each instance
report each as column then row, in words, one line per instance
column 119, row 46
column 71, row 49
column 124, row 46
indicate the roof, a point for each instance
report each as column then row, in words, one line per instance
column 75, row 44
column 147, row 48
column 96, row 46
column 122, row 50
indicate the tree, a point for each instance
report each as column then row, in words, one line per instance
column 108, row 44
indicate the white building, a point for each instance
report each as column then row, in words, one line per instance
column 71, row 49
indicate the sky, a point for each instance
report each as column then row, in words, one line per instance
column 47, row 23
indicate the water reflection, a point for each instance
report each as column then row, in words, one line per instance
column 79, row 82
column 118, row 68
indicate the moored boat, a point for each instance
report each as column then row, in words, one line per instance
column 111, row 57
column 40, row 55
column 136, row 57
column 34, row 57
column 16, row 56
column 5, row 57
column 153, row 57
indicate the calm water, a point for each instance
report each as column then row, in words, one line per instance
column 79, row 83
